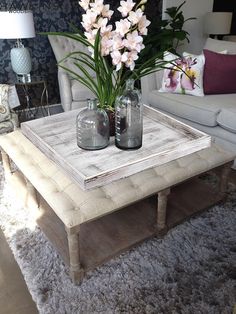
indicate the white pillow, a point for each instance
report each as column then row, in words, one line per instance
column 176, row 81
column 219, row 45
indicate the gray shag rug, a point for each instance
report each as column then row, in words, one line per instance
column 192, row 269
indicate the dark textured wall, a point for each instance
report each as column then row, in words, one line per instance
column 50, row 15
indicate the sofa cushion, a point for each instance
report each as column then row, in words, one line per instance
column 80, row 92
column 4, row 105
column 227, row 119
column 203, row 110
column 220, row 45
column 219, row 73
column 175, row 81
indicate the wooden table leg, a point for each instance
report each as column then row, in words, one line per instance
column 224, row 177
column 6, row 163
column 76, row 270
column 161, row 210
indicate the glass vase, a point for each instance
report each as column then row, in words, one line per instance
column 92, row 127
column 128, row 118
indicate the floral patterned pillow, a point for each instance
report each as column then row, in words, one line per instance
column 188, row 81
column 4, row 107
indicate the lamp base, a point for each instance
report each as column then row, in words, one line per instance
column 20, row 60
column 23, row 78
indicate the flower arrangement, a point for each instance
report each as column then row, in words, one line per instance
column 113, row 49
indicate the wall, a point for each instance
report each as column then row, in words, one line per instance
column 53, row 15
column 192, row 8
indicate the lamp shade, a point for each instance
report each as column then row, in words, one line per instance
column 16, row 25
column 217, row 23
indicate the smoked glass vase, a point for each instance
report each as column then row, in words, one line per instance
column 92, row 127
column 128, row 118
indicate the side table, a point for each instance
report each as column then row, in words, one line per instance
column 35, row 93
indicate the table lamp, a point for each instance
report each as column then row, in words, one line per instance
column 18, row 25
column 217, row 23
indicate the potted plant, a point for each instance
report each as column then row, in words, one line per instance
column 113, row 50
column 166, row 34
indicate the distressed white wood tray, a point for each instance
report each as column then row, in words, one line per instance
column 164, row 139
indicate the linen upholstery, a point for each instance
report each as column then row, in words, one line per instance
column 8, row 119
column 204, row 112
column 74, row 205
column 73, row 94
column 4, row 106
column 220, row 45
column 227, row 119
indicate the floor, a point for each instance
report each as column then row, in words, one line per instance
column 14, row 295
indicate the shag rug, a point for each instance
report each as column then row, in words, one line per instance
column 192, row 269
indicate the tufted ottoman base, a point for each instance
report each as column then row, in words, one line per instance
column 90, row 227
column 108, row 236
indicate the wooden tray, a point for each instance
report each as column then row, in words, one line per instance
column 164, row 139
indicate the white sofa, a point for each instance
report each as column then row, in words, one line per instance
column 212, row 114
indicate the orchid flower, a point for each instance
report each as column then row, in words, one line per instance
column 123, row 27
column 112, row 52
column 125, row 7
column 135, row 16
column 133, row 41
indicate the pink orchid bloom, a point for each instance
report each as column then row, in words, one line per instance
column 126, row 7
column 123, row 27
column 143, row 24
column 106, row 45
column 188, row 80
column 189, row 61
column 106, row 12
column 124, row 43
column 116, row 59
column 88, row 20
column 102, row 25
column 84, row 4
column 97, row 6
column 117, row 42
column 133, row 41
column 106, row 30
column 91, row 36
column 171, row 79
column 132, row 56
column 135, row 17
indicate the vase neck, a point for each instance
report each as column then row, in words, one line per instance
column 130, row 84
column 92, row 104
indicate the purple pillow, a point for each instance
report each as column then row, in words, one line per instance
column 219, row 73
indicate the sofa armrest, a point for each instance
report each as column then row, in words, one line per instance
column 149, row 83
column 65, row 89
column 13, row 98
column 14, row 120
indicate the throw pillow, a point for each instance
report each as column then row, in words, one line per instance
column 219, row 73
column 188, row 82
column 4, row 106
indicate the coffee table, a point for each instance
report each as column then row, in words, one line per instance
column 90, row 224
